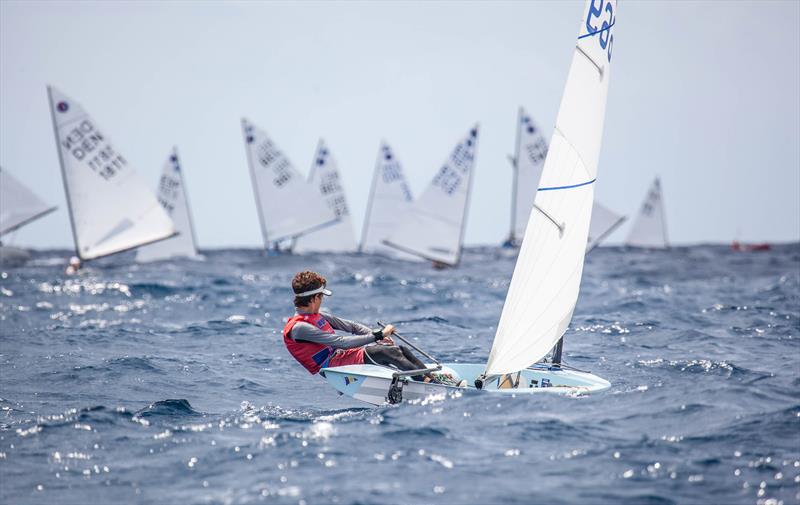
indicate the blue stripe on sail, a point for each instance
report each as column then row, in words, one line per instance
column 601, row 30
column 553, row 188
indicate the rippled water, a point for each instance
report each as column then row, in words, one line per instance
column 169, row 383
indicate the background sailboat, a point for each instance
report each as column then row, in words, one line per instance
column 604, row 222
column 389, row 200
column 340, row 236
column 650, row 228
column 111, row 208
column 173, row 198
column 288, row 206
column 527, row 164
column 433, row 229
column 18, row 206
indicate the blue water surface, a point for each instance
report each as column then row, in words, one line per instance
column 169, row 383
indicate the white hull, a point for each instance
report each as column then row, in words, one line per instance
column 372, row 384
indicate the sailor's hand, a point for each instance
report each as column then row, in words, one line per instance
column 388, row 330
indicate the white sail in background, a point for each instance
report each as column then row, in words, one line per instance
column 434, row 226
column 389, row 200
column 528, row 161
column 111, row 208
column 604, row 222
column 650, row 227
column 172, row 196
column 288, row 205
column 18, row 204
column 340, row 236
column 546, row 281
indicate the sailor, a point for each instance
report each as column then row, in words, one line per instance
column 74, row 266
column 312, row 339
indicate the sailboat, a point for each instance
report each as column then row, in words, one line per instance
column 19, row 206
column 288, row 205
column 389, row 200
column 340, row 236
column 545, row 284
column 527, row 165
column 110, row 207
column 433, row 228
column 649, row 230
column 173, row 198
column 604, row 222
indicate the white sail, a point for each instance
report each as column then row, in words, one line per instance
column 340, row 236
column 528, row 161
column 288, row 205
column 650, row 227
column 389, row 200
column 18, row 204
column 604, row 222
column 173, row 198
column 547, row 276
column 434, row 226
column 111, row 207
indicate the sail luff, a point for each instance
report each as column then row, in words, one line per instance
column 63, row 173
column 254, row 182
column 546, row 281
column 188, row 205
column 370, row 200
column 512, row 236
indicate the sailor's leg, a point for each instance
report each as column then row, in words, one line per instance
column 410, row 357
column 390, row 355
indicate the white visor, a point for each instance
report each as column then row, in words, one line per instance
column 321, row 289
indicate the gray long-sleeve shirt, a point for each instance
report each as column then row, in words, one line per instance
column 307, row 332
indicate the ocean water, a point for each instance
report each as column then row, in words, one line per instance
column 169, row 383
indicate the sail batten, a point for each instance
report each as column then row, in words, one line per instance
column 111, row 208
column 340, row 236
column 546, row 281
column 434, row 226
column 278, row 187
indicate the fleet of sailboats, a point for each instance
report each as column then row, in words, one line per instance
column 340, row 236
column 433, row 227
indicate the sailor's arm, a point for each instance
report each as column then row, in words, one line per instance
column 306, row 332
column 346, row 325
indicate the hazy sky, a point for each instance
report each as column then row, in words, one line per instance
column 703, row 94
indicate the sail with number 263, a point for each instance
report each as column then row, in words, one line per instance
column 546, row 281
column 111, row 208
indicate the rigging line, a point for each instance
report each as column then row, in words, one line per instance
column 601, row 30
column 553, row 188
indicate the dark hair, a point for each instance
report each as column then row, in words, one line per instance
column 306, row 281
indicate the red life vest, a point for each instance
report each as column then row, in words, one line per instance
column 311, row 355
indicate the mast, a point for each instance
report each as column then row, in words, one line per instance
column 472, row 138
column 186, row 198
column 515, row 180
column 370, row 199
column 63, row 173
column 248, row 139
